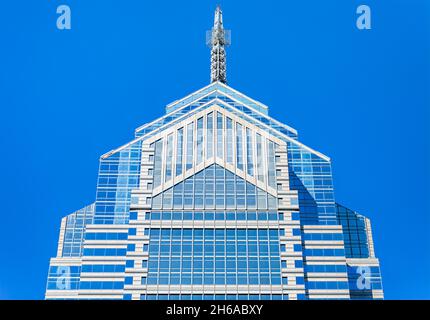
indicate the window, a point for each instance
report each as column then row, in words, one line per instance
column 168, row 199
column 157, row 163
column 129, row 263
column 210, row 136
column 190, row 146
column 260, row 164
column 239, row 147
column 271, row 164
column 199, row 140
column 297, row 247
column 179, row 151
column 214, row 256
column 249, row 152
column 229, row 141
column 133, row 215
column 169, row 156
column 134, row 200
column 220, row 134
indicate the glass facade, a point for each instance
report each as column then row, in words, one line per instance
column 215, row 197
column 215, row 200
column 118, row 175
column 311, row 176
column 238, row 103
column 75, row 231
column 214, row 188
column 195, row 256
column 355, row 232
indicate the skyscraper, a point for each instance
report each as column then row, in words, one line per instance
column 215, row 200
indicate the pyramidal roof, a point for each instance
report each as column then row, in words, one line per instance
column 224, row 96
column 222, row 89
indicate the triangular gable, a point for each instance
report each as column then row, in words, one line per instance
column 214, row 136
column 214, row 187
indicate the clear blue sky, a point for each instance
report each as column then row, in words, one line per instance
column 360, row 97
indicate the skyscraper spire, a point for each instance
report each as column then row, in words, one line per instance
column 218, row 39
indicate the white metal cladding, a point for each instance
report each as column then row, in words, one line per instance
column 215, row 135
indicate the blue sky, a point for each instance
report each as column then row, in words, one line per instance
column 360, row 97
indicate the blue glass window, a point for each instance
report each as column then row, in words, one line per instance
column 229, row 140
column 271, row 167
column 199, row 140
column 220, row 135
column 260, row 162
column 210, row 136
column 169, row 156
column 214, row 256
column 190, row 146
column 215, row 187
column 179, row 151
column 249, row 152
column 239, row 146
column 158, row 162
